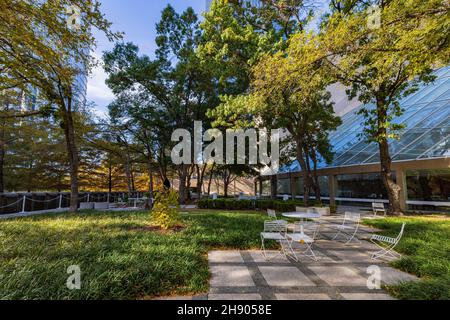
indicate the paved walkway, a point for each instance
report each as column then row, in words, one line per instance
column 340, row 274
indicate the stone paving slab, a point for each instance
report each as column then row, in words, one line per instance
column 302, row 296
column 339, row 276
column 366, row 296
column 285, row 277
column 225, row 256
column 227, row 296
column 232, row 276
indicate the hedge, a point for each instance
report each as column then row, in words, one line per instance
column 232, row 204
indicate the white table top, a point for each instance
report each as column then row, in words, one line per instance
column 301, row 215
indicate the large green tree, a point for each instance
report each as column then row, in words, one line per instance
column 177, row 90
column 384, row 58
column 40, row 49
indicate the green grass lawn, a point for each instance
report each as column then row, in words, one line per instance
column 118, row 260
column 426, row 249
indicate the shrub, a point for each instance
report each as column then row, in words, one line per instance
column 204, row 203
column 165, row 209
column 287, row 206
column 264, row 204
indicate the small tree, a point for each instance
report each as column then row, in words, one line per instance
column 165, row 210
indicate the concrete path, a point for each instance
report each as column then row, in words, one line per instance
column 340, row 274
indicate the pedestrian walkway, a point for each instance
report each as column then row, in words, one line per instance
column 342, row 273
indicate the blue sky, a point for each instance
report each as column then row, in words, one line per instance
column 137, row 19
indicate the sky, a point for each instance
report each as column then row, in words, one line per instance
column 137, row 19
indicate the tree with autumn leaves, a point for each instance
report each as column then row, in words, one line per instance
column 379, row 65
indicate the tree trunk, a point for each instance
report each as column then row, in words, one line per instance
column 128, row 176
column 2, row 159
column 211, row 174
column 226, row 183
column 110, row 184
column 149, row 203
column 200, row 178
column 188, row 182
column 392, row 188
column 183, row 172
column 69, row 132
column 304, row 167
column 316, row 183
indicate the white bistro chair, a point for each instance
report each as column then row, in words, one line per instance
column 273, row 215
column 303, row 238
column 349, row 227
column 387, row 244
column 274, row 230
column 378, row 207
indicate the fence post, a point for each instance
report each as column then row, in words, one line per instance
column 24, row 199
column 88, row 197
column 60, row 201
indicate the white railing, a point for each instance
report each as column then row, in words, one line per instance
column 33, row 202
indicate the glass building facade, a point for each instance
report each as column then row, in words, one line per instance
column 424, row 145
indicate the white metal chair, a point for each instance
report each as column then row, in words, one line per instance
column 304, row 234
column 272, row 214
column 274, row 230
column 349, row 227
column 387, row 244
column 378, row 207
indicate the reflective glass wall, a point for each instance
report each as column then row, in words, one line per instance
column 284, row 186
column 428, row 185
column 361, row 186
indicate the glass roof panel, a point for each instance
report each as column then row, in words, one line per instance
column 427, row 133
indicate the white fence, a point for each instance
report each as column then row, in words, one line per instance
column 30, row 202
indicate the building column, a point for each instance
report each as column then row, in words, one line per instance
column 332, row 187
column 273, row 187
column 293, row 186
column 260, row 187
column 255, row 186
column 401, row 182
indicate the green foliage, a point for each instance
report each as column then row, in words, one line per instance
column 165, row 210
column 426, row 247
column 233, row 204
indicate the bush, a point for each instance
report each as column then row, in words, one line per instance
column 165, row 209
column 228, row 204
column 264, row 204
column 287, row 206
column 203, row 203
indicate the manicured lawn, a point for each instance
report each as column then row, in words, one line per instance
column 426, row 246
column 118, row 260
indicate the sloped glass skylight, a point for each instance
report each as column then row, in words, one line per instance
column 427, row 133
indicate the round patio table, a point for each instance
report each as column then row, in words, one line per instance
column 301, row 215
